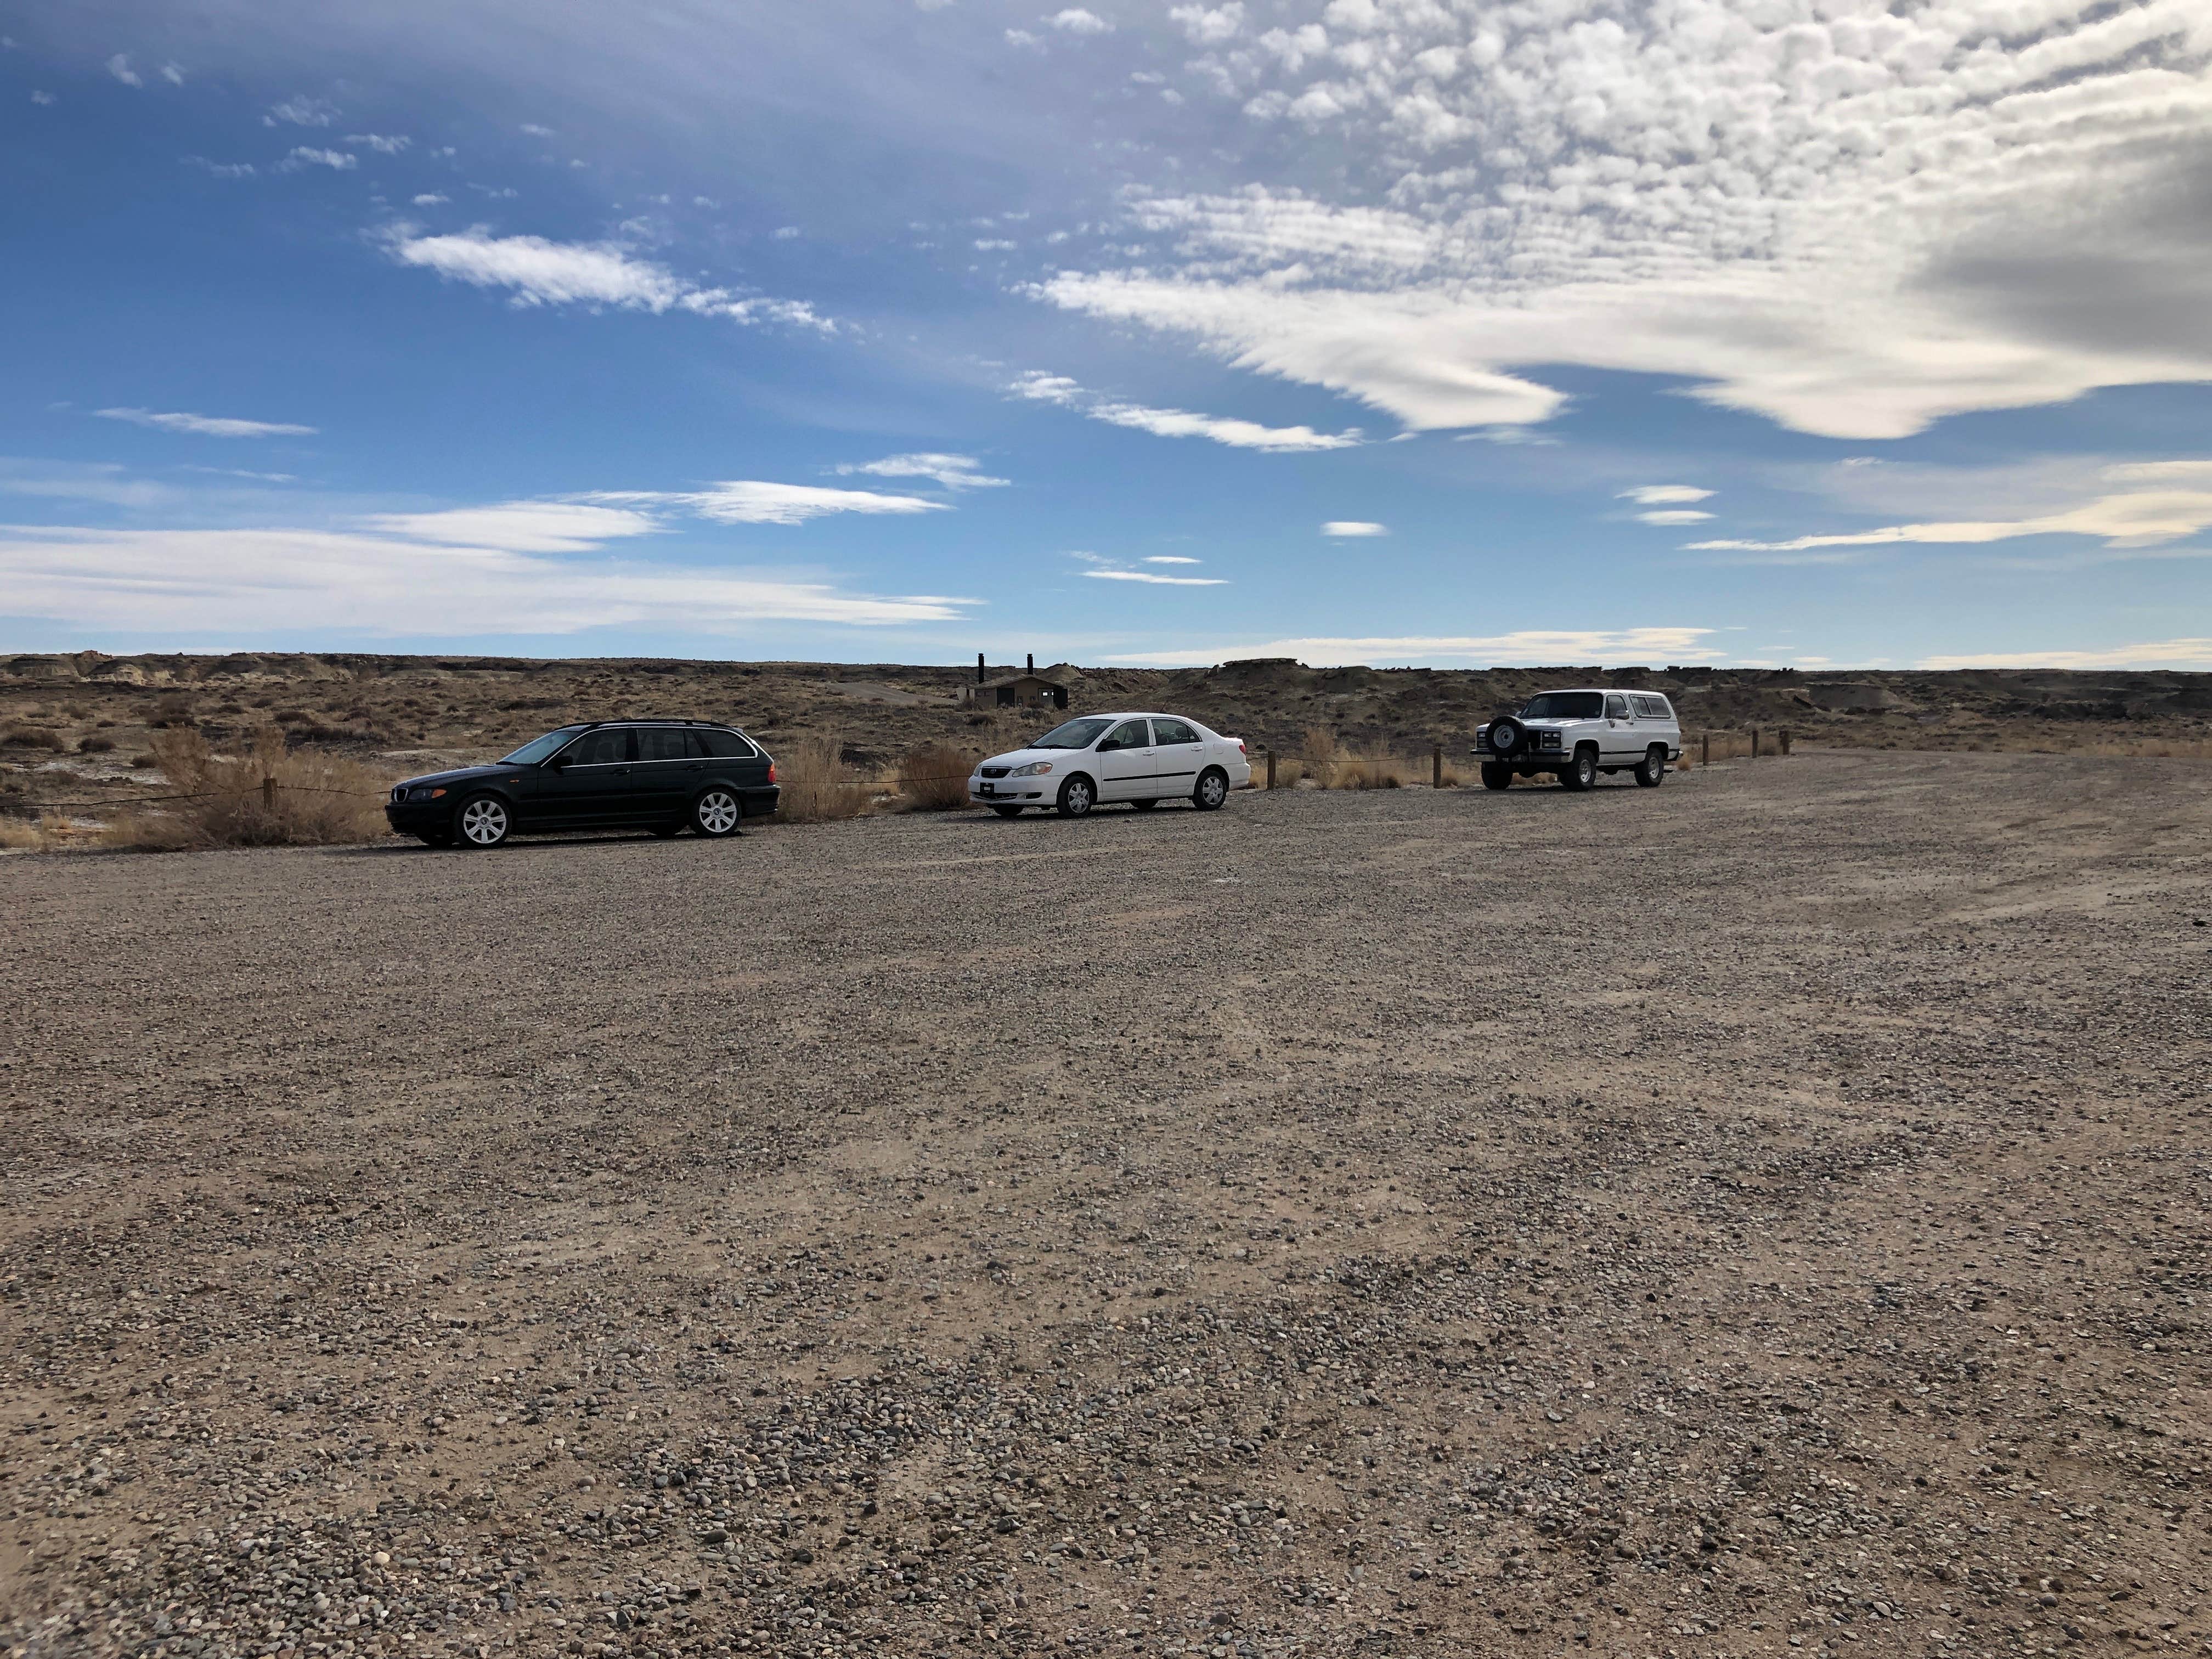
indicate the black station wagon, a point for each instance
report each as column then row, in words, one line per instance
column 661, row 775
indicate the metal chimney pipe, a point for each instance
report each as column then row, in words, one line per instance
column 1032, row 669
column 979, row 668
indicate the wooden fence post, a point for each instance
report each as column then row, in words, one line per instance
column 1271, row 768
column 1755, row 743
column 1785, row 741
column 269, row 796
column 1437, row 767
column 1705, row 749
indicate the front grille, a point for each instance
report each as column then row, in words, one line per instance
column 400, row 793
column 996, row 771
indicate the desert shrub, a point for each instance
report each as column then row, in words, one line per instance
column 319, row 800
column 94, row 745
column 144, row 763
column 818, row 786
column 32, row 737
column 1329, row 763
column 20, row 835
column 172, row 710
column 932, row 777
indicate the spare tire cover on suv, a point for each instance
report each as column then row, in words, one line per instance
column 1506, row 735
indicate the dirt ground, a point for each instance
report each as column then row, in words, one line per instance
column 1764, row 1215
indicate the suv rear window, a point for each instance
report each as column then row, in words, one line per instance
column 725, row 745
column 1652, row 708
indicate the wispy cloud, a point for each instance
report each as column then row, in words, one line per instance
column 2194, row 653
column 1170, row 558
column 536, row 271
column 1155, row 578
column 1354, row 527
column 382, row 143
column 754, row 500
column 1533, row 646
column 306, row 155
column 206, row 426
column 953, row 471
column 119, row 67
column 1665, row 494
column 1075, row 20
column 1673, row 515
column 1055, row 389
column 301, row 112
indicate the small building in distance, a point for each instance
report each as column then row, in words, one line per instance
column 1027, row 690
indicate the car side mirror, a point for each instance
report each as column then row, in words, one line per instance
column 1107, row 747
column 558, row 761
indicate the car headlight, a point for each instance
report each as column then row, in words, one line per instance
column 1034, row 770
column 425, row 795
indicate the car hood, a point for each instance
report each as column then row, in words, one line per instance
column 1024, row 756
column 463, row 775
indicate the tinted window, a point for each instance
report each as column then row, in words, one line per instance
column 1173, row 731
column 609, row 747
column 664, row 743
column 1129, row 734
column 726, row 746
column 1652, row 707
column 1616, row 708
column 538, row 749
column 1566, row 706
column 1076, row 734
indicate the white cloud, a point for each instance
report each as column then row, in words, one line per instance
column 541, row 272
column 1674, row 515
column 429, row 199
column 519, row 526
column 382, row 143
column 1179, row 423
column 1076, row 21
column 2161, row 653
column 304, row 156
column 537, row 132
column 119, row 67
column 2158, row 471
column 302, row 112
column 1170, row 558
column 206, row 426
column 1535, row 647
column 1354, row 527
column 173, row 74
column 221, row 169
column 1210, row 26
column 787, row 232
column 1853, row 222
column 1022, row 38
column 1156, row 579
column 953, row 471
column 380, row 581
column 1665, row 494
column 753, row 500
column 2124, row 520
column 42, row 97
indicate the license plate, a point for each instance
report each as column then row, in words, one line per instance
column 990, row 789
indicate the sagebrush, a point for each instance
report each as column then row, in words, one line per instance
column 932, row 777
column 818, row 785
column 318, row 800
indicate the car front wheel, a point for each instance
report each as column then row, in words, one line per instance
column 482, row 821
column 1077, row 797
column 1652, row 771
column 1497, row 777
column 716, row 813
column 1213, row 790
column 1581, row 770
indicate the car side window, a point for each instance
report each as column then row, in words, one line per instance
column 1129, row 734
column 1616, row 708
column 610, row 746
column 1652, row 708
column 664, row 743
column 1173, row 731
column 724, row 745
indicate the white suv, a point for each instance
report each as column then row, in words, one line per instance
column 1141, row 758
column 1576, row 735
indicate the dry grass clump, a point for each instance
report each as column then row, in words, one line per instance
column 319, row 800
column 32, row 737
column 932, row 777
column 818, row 785
column 1329, row 763
column 20, row 835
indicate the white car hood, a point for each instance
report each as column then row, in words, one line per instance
column 1024, row 756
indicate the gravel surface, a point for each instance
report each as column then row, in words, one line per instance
column 1765, row 1215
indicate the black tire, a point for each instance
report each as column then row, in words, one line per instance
column 435, row 838
column 1581, row 772
column 1211, row 794
column 668, row 831
column 1146, row 806
column 1651, row 772
column 1497, row 777
column 1007, row 811
column 717, row 812
column 483, row 821
column 1077, row 797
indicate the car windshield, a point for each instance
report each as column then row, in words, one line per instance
column 1076, row 734
column 1566, row 706
column 538, row 748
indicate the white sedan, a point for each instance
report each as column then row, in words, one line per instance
column 1143, row 759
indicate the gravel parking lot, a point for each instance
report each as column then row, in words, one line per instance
column 1763, row 1215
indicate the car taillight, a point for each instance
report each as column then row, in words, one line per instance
column 1240, row 747
column 771, row 771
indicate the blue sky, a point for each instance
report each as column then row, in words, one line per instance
column 1778, row 332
